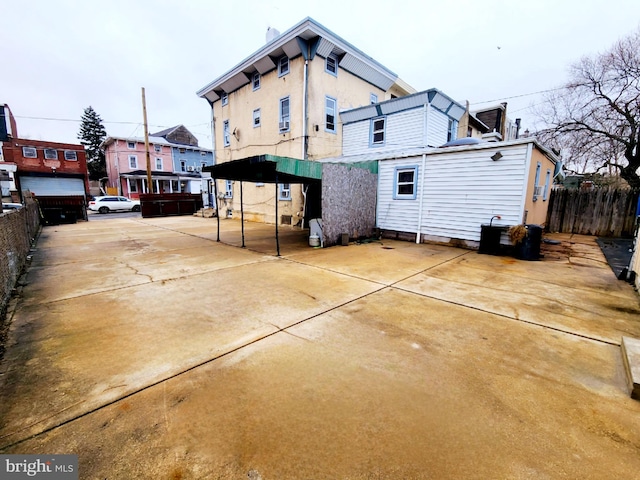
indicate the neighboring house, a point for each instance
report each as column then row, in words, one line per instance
column 471, row 126
column 8, row 130
column 424, row 119
column 501, row 127
column 285, row 99
column 176, row 163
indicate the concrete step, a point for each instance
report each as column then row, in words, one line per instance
column 631, row 359
column 205, row 212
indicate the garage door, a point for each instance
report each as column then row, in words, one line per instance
column 48, row 186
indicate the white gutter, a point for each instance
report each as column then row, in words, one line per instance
column 420, row 190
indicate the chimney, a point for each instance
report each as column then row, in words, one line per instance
column 272, row 34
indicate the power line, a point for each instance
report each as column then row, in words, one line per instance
column 80, row 121
column 519, row 96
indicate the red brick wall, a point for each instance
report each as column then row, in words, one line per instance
column 13, row 153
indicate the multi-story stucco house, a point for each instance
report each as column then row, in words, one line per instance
column 285, row 100
column 176, row 163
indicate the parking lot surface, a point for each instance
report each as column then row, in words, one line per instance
column 153, row 351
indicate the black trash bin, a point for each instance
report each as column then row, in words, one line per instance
column 490, row 239
column 529, row 247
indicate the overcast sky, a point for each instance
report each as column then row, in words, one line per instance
column 60, row 56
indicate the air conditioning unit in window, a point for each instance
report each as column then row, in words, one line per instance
column 284, row 125
column 189, row 169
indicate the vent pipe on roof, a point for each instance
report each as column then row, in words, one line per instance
column 272, row 34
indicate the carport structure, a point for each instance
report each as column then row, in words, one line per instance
column 342, row 194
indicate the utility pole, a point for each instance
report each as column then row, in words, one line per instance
column 146, row 143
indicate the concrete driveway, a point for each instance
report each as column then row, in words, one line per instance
column 152, row 351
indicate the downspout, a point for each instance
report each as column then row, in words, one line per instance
column 420, row 190
column 304, row 109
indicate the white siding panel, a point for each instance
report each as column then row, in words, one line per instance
column 462, row 191
column 355, row 138
column 437, row 127
column 399, row 215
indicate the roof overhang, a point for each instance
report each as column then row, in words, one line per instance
column 433, row 97
column 267, row 169
column 307, row 38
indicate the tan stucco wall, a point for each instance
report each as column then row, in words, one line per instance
column 350, row 92
column 537, row 211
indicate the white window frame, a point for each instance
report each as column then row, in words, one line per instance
column 256, row 116
column 377, row 131
column 452, row 130
column 228, row 189
column 29, row 152
column 71, row 156
column 129, row 145
column 224, row 98
column 282, row 118
column 284, row 192
column 158, row 159
column 133, row 161
column 255, row 81
column 330, row 104
column 373, row 98
column 397, row 183
column 283, row 66
column 48, row 155
column 157, row 148
column 547, row 184
column 226, row 133
column 332, row 57
column 536, row 185
column 133, row 186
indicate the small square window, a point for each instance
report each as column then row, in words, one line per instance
column 256, row 117
column 373, row 98
column 70, row 155
column 283, row 66
column 331, row 65
column 29, row 152
column 157, row 148
column 131, row 145
column 203, row 154
column 50, row 154
column 158, row 164
column 285, row 191
column 182, row 150
column 225, row 98
column 255, row 80
column 405, row 183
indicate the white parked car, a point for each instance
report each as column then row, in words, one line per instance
column 114, row 204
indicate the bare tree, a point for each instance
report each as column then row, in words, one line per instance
column 595, row 117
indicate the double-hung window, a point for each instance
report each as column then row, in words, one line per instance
column 405, row 183
column 133, row 161
column 331, row 65
column 29, row 152
column 226, row 134
column 225, row 98
column 536, row 185
column 547, row 184
column 283, row 66
column 285, row 191
column 377, row 130
column 158, row 164
column 183, row 165
column 256, row 117
column 284, row 117
column 255, row 81
column 452, row 130
column 330, row 107
column 228, row 189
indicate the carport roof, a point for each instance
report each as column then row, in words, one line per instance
column 268, row 169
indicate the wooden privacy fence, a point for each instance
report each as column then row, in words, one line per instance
column 605, row 212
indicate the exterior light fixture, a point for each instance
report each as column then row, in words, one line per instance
column 496, row 156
